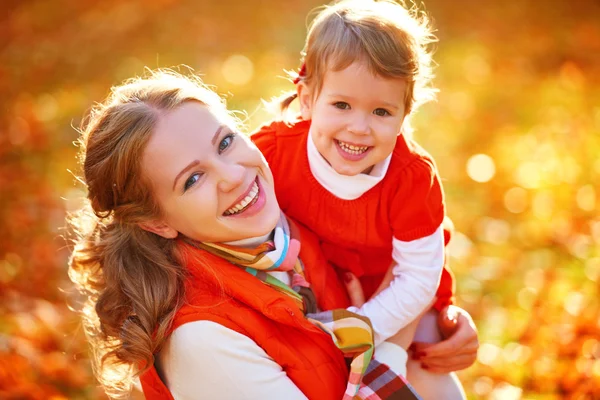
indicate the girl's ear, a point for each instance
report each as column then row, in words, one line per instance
column 404, row 122
column 160, row 228
column 305, row 98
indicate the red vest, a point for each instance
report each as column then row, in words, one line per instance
column 223, row 293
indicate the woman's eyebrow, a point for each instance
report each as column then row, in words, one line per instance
column 216, row 135
column 183, row 171
column 196, row 162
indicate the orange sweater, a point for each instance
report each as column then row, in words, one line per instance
column 223, row 293
column 356, row 235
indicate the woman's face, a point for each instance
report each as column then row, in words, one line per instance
column 212, row 184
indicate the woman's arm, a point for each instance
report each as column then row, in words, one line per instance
column 204, row 359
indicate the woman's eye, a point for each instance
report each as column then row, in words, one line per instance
column 342, row 105
column 226, row 142
column 381, row 112
column 191, row 181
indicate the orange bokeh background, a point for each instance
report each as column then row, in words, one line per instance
column 515, row 132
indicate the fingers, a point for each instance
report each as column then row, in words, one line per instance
column 354, row 288
column 423, row 352
column 462, row 341
column 448, row 321
column 446, row 368
column 454, row 363
column 446, row 363
column 444, row 348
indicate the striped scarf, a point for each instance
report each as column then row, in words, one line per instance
column 351, row 333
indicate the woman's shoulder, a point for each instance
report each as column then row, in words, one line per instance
column 203, row 335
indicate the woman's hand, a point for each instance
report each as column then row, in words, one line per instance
column 456, row 352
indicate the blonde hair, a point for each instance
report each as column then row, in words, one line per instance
column 391, row 39
column 132, row 279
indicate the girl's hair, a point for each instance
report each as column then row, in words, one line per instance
column 392, row 40
column 131, row 279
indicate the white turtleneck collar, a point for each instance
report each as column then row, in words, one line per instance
column 343, row 186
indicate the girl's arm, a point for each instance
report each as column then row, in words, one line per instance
column 204, row 359
column 417, row 273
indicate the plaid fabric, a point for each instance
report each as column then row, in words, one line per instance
column 351, row 333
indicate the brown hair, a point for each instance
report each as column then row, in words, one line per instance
column 391, row 39
column 132, row 279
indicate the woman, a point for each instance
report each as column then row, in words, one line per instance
column 174, row 254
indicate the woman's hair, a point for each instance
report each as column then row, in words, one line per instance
column 392, row 40
column 132, row 279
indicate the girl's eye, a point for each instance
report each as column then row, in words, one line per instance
column 226, row 142
column 342, row 105
column 191, row 181
column 381, row 112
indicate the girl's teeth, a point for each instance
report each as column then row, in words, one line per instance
column 349, row 148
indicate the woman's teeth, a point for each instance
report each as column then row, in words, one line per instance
column 246, row 202
column 349, row 148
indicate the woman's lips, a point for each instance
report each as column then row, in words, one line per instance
column 254, row 206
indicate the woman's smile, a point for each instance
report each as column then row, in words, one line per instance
column 249, row 203
column 233, row 197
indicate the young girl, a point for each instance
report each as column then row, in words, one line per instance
column 347, row 168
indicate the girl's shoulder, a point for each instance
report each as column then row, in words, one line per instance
column 277, row 135
column 408, row 154
column 281, row 128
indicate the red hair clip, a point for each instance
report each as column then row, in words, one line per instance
column 301, row 74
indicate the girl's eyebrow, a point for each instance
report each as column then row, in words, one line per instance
column 341, row 96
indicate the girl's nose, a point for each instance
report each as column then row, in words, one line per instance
column 359, row 124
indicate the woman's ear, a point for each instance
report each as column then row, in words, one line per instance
column 160, row 228
column 305, row 98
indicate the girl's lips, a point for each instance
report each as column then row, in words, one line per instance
column 350, row 157
column 255, row 206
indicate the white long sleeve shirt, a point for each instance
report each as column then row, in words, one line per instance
column 205, row 360
column 418, row 263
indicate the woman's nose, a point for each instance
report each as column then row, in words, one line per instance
column 231, row 176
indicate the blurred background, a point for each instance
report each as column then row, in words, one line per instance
column 515, row 132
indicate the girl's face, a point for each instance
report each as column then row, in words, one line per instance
column 356, row 117
column 212, row 184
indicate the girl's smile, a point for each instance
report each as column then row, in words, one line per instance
column 355, row 118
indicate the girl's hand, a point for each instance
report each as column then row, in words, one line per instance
column 354, row 289
column 404, row 336
column 456, row 352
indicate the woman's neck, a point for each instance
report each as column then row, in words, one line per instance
column 251, row 242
